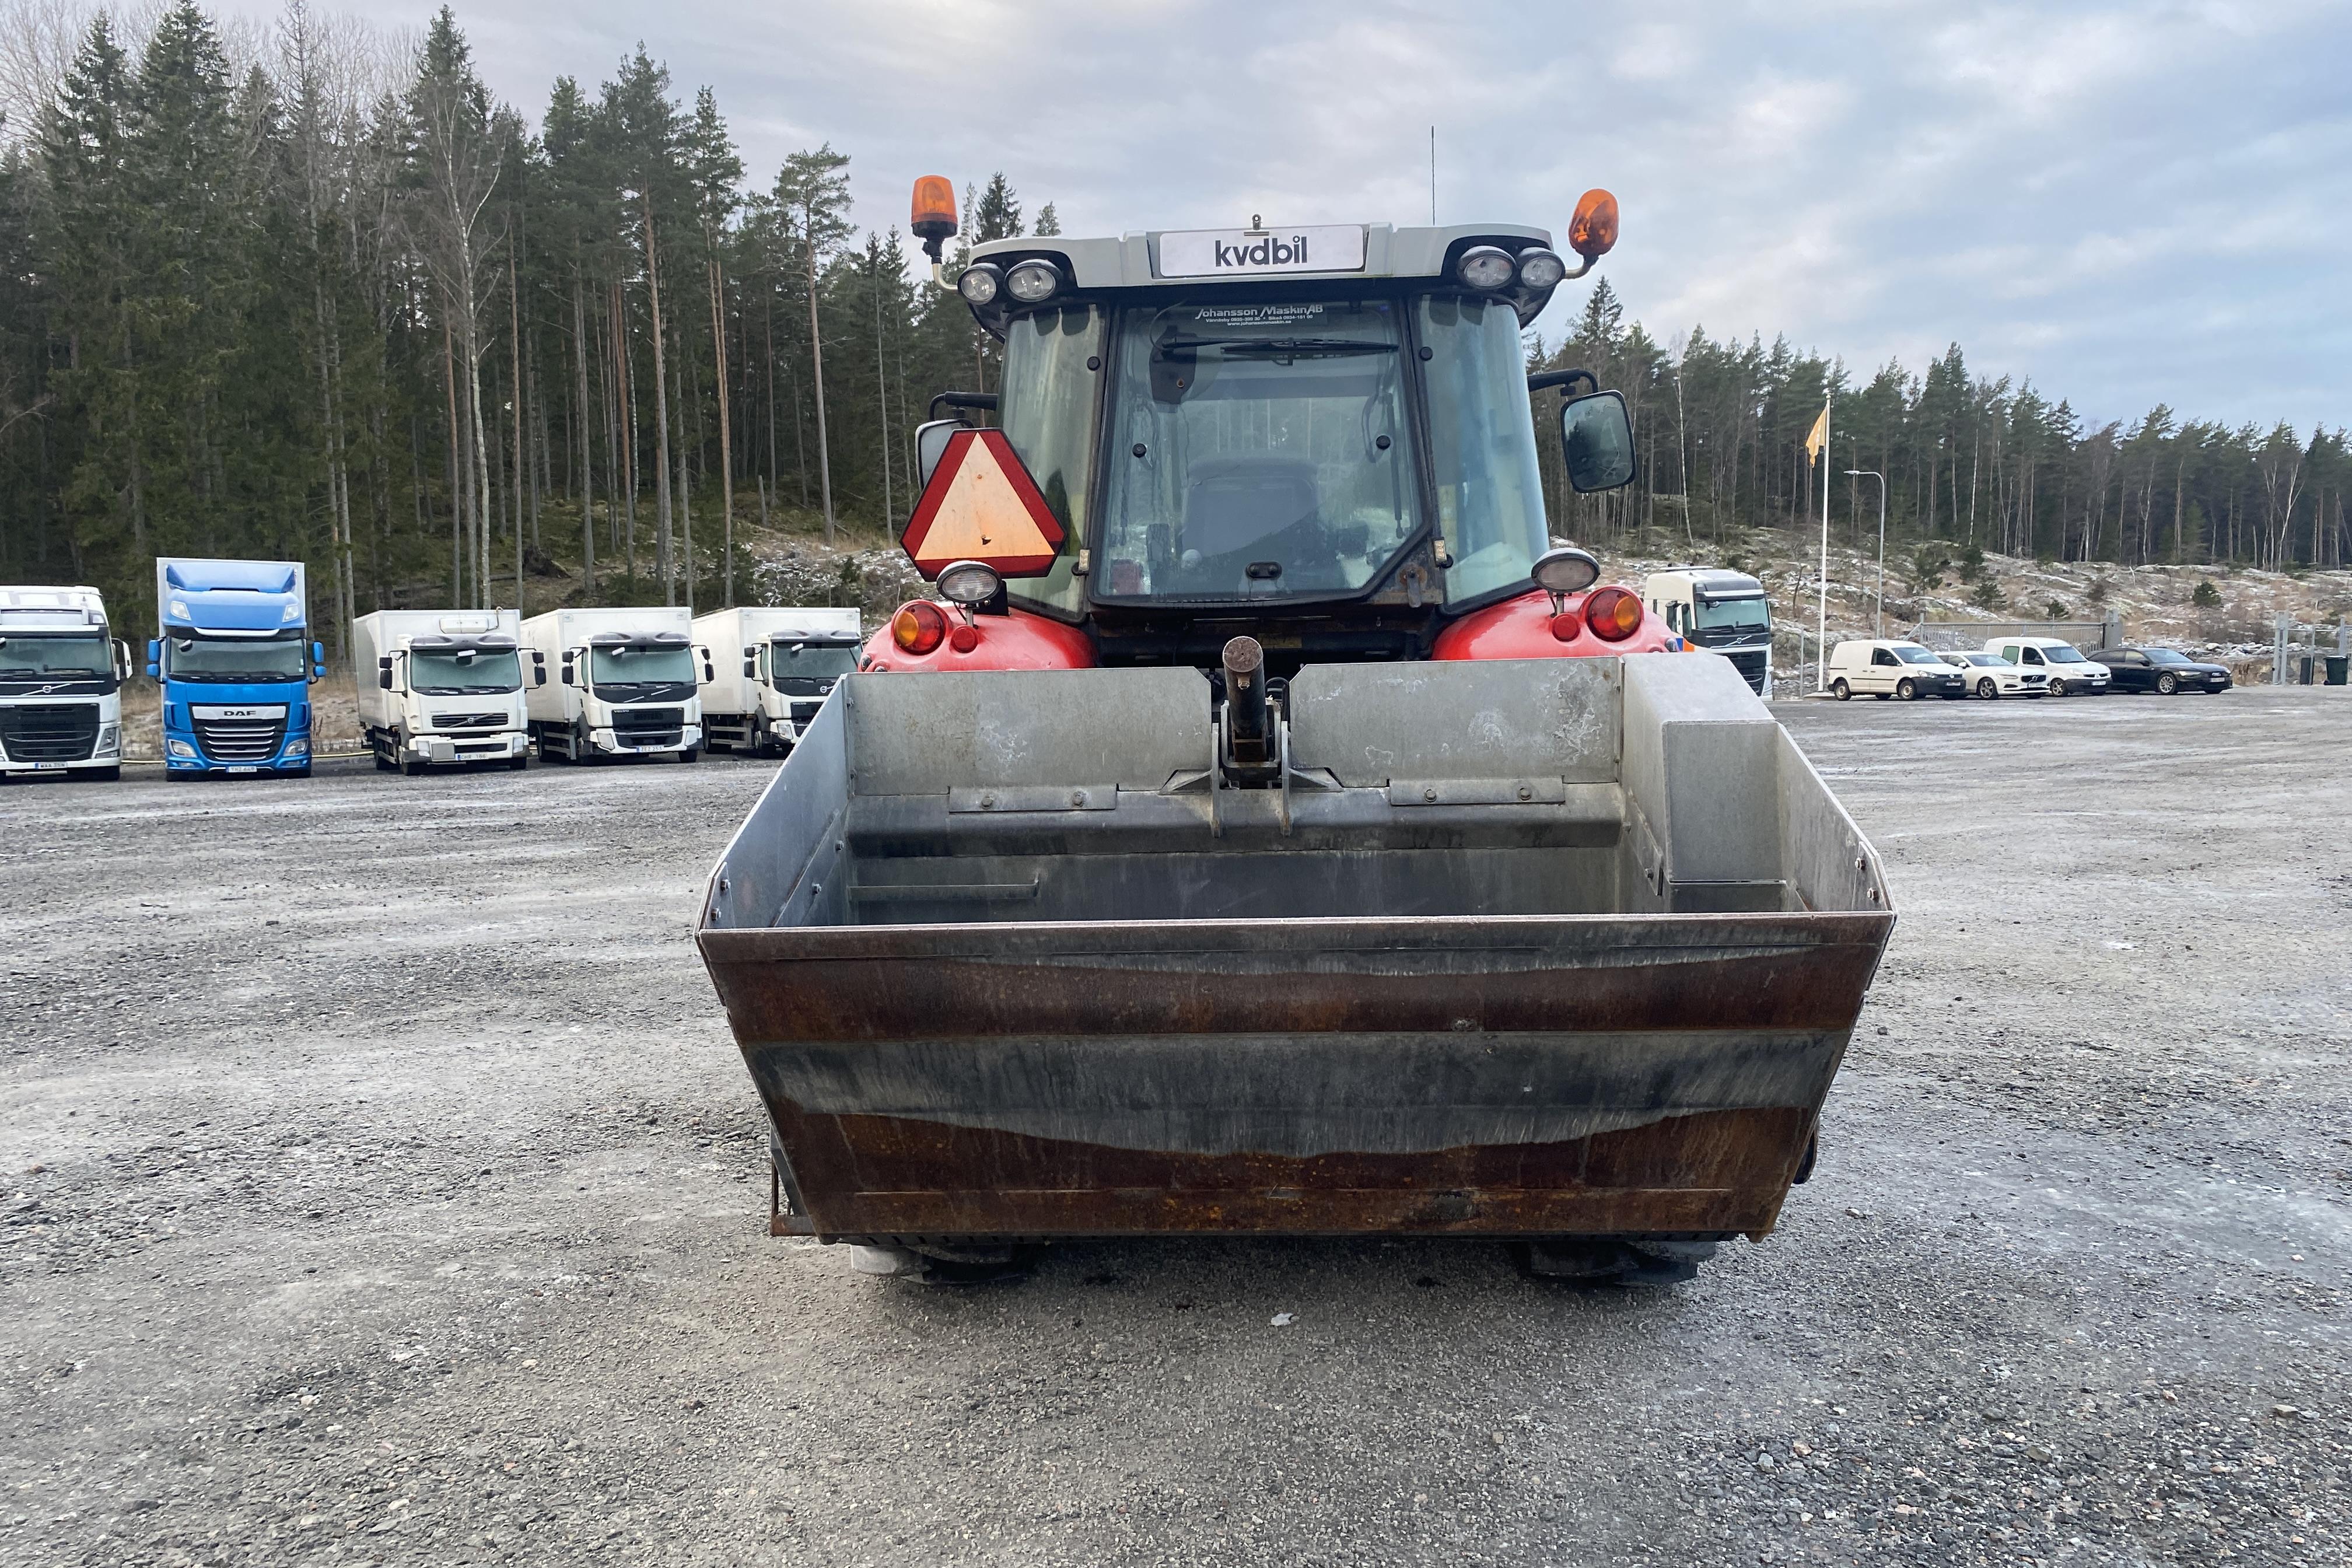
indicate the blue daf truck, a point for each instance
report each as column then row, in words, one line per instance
column 237, row 663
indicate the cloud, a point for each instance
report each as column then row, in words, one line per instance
column 2129, row 202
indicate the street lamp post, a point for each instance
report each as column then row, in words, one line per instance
column 1878, row 612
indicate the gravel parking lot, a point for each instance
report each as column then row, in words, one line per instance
column 382, row 1185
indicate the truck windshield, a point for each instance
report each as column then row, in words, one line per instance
column 233, row 659
column 28, row 656
column 1257, row 451
column 637, row 671
column 1748, row 615
column 813, row 661
column 457, row 674
column 1481, row 442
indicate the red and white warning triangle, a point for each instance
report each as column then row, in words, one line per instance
column 981, row 505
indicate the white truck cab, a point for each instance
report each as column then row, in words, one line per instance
column 627, row 683
column 2070, row 673
column 771, row 668
column 1722, row 611
column 1891, row 667
column 443, row 686
column 60, row 684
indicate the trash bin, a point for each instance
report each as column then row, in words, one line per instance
column 2335, row 668
column 2304, row 664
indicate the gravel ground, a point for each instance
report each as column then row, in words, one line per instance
column 381, row 1184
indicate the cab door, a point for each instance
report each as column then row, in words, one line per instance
column 1884, row 670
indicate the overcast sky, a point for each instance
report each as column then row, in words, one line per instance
column 2128, row 204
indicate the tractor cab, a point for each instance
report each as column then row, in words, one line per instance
column 1320, row 435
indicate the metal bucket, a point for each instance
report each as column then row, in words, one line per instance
column 1551, row 948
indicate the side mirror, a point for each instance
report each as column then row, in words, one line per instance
column 383, row 672
column 1597, row 436
column 121, row 660
column 931, row 442
column 539, row 673
column 751, row 666
column 567, row 673
column 154, row 670
column 319, row 653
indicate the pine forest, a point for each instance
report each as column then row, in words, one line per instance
column 308, row 291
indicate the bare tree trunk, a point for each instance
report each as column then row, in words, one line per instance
column 726, row 433
column 587, row 469
column 457, row 486
column 816, row 368
column 662, row 562
column 514, row 360
column 626, row 363
column 882, row 396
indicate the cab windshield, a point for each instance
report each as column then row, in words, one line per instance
column 233, row 660
column 1748, row 615
column 465, row 671
column 812, row 662
column 641, row 672
column 1257, row 450
column 26, row 656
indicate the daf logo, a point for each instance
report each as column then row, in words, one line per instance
column 240, row 713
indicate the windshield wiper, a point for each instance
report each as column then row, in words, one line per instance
column 1278, row 346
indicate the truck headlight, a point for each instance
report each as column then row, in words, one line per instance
column 110, row 738
column 297, row 748
column 180, row 749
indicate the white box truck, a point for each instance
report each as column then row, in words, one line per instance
column 771, row 668
column 443, row 687
column 1722, row 611
column 60, row 684
column 626, row 684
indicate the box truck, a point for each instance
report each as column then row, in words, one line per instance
column 773, row 668
column 443, row 686
column 626, row 684
column 60, row 684
column 1722, row 611
column 234, row 652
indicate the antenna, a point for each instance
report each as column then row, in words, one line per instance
column 1432, row 177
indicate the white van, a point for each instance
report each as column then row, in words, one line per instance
column 1889, row 666
column 2070, row 673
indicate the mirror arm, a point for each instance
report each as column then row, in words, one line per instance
column 1561, row 378
column 982, row 401
column 1575, row 272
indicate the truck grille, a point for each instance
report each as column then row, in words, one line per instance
column 240, row 740
column 64, row 733
column 1749, row 662
column 467, row 720
column 805, row 708
column 648, row 726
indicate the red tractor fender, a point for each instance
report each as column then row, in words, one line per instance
column 1015, row 641
column 1524, row 627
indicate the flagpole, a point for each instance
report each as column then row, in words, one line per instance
column 1821, row 620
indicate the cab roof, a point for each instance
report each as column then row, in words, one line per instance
column 1257, row 256
column 1145, row 259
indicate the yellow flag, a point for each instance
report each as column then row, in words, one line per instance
column 1818, row 437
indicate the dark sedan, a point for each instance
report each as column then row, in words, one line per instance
column 2159, row 669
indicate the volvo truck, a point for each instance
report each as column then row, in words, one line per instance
column 234, row 652
column 1721, row 611
column 60, row 684
column 1261, row 829
column 625, row 683
column 773, row 668
column 443, row 688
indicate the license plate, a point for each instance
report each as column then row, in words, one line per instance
column 244, row 769
column 48, row 767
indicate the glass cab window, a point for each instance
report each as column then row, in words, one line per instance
column 1481, row 443
column 1047, row 411
column 1257, row 450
